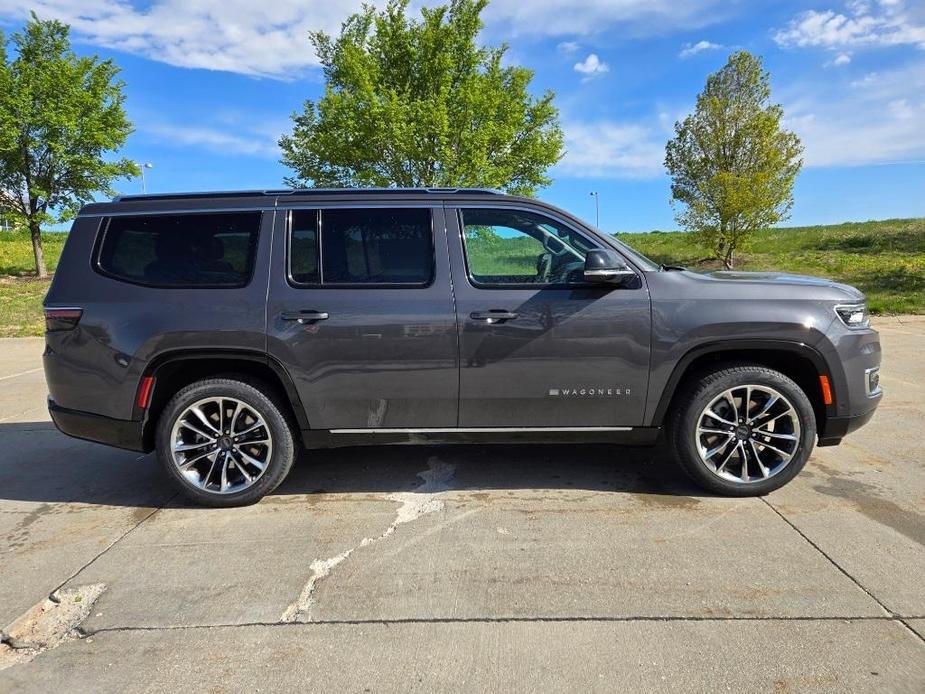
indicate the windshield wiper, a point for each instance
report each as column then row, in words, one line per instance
column 665, row 268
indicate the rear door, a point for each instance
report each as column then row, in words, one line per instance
column 360, row 312
column 539, row 347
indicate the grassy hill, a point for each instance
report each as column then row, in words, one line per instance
column 885, row 259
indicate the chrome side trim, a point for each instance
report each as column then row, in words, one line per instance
column 608, row 273
column 475, row 430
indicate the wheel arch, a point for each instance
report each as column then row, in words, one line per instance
column 796, row 360
column 175, row 369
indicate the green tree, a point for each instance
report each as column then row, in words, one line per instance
column 59, row 115
column 418, row 103
column 732, row 165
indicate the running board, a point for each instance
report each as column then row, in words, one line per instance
column 338, row 438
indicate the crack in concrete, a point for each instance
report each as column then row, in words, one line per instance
column 414, row 504
column 58, row 617
column 114, row 542
column 48, row 624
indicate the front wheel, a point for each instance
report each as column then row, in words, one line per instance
column 225, row 442
column 743, row 430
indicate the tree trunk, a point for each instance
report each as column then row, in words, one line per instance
column 36, row 231
column 728, row 259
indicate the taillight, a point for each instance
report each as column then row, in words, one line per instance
column 62, row 318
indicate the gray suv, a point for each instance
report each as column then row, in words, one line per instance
column 227, row 331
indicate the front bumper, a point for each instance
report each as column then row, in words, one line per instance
column 851, row 355
column 120, row 433
column 836, row 428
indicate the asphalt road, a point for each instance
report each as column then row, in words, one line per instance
column 477, row 568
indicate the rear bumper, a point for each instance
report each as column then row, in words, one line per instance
column 120, row 433
column 837, row 428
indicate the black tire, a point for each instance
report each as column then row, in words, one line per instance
column 254, row 395
column 701, row 390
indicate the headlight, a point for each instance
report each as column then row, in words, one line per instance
column 854, row 315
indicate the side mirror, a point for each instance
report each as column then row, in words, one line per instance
column 606, row 266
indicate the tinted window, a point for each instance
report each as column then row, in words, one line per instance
column 303, row 247
column 181, row 250
column 362, row 246
column 515, row 247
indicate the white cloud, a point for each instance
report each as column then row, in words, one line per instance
column 592, row 66
column 890, row 23
column 901, row 109
column 876, row 119
column 611, row 149
column 267, row 39
column 222, row 141
column 690, row 50
column 873, row 120
column 840, row 60
column 568, row 47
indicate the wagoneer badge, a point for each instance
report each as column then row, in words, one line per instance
column 589, row 392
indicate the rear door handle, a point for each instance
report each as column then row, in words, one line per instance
column 493, row 316
column 304, row 316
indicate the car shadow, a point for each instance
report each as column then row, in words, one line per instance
column 39, row 464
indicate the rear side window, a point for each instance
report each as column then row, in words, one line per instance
column 181, row 250
column 373, row 246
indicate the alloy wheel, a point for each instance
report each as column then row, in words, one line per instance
column 221, row 445
column 748, row 433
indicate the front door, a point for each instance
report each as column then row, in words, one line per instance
column 539, row 347
column 362, row 316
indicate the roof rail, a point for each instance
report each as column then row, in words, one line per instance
column 303, row 191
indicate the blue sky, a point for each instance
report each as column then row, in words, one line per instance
column 211, row 84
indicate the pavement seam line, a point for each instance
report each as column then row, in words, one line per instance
column 493, row 620
column 902, row 620
column 110, row 546
column 832, row 561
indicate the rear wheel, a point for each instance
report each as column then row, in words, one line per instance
column 225, row 442
column 743, row 430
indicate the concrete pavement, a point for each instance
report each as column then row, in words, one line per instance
column 443, row 568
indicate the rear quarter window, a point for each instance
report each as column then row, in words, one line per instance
column 180, row 250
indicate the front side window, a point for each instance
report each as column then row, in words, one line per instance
column 513, row 247
column 181, row 250
column 366, row 246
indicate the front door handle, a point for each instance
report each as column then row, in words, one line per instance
column 304, row 316
column 493, row 316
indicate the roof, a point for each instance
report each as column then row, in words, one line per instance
column 305, row 191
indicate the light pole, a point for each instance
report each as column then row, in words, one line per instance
column 597, row 207
column 146, row 165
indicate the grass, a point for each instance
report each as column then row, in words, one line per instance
column 21, row 293
column 16, row 257
column 885, row 259
column 21, row 306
